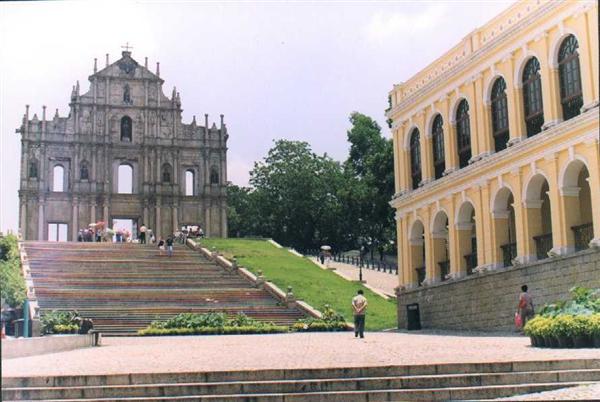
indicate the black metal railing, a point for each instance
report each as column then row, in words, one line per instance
column 375, row 265
column 543, row 244
column 583, row 235
column 444, row 269
column 420, row 275
column 509, row 253
column 471, row 260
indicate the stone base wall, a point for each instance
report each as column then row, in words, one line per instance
column 488, row 301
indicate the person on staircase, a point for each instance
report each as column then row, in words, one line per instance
column 143, row 234
column 170, row 242
column 161, row 247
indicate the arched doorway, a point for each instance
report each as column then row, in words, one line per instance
column 125, row 179
column 441, row 256
column 417, row 252
column 505, row 230
column 538, row 216
column 467, row 238
column 577, row 201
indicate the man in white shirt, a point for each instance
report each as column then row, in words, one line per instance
column 359, row 308
column 143, row 234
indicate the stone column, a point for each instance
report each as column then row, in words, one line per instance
column 450, row 156
column 207, row 208
column 223, row 218
column 397, row 185
column 157, row 231
column 426, row 151
column 93, row 212
column 75, row 219
column 41, row 218
column 474, row 118
column 175, row 220
column 549, row 78
column 559, row 235
column 400, row 250
column 452, row 240
column 145, row 214
column 105, row 212
column 588, row 59
column 483, row 110
column 23, row 217
column 594, row 183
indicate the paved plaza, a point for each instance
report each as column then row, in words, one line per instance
column 307, row 350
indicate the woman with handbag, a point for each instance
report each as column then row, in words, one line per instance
column 525, row 309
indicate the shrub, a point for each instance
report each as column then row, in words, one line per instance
column 65, row 329
column 59, row 319
column 227, row 330
column 583, row 301
column 12, row 283
column 594, row 325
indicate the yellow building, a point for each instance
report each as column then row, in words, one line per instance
column 496, row 146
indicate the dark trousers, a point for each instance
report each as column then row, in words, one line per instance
column 359, row 325
column 143, row 238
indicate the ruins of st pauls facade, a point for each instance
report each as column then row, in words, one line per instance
column 121, row 153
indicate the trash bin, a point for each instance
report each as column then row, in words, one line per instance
column 413, row 317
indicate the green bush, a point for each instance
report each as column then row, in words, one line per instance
column 12, row 283
column 208, row 323
column 59, row 319
column 583, row 301
column 330, row 321
column 564, row 325
column 227, row 330
column 65, row 329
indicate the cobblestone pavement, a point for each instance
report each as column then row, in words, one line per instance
column 581, row 393
column 380, row 281
column 306, row 350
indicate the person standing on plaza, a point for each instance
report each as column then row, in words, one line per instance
column 170, row 246
column 525, row 306
column 143, row 234
column 359, row 308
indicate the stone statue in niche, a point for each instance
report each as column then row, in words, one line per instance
column 126, row 94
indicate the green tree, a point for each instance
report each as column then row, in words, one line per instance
column 297, row 195
column 12, row 283
column 371, row 164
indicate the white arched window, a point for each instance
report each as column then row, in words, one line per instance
column 125, row 179
column 58, row 178
column 189, row 182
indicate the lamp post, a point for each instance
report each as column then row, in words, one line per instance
column 360, row 263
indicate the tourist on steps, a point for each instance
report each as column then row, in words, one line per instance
column 143, row 234
column 170, row 246
column 161, row 247
column 359, row 308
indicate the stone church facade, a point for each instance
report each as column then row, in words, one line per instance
column 122, row 129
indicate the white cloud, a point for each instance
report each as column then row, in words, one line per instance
column 384, row 25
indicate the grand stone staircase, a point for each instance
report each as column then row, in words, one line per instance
column 123, row 287
column 433, row 382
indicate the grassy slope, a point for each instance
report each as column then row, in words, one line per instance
column 310, row 283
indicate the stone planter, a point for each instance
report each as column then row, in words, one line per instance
column 551, row 342
column 582, row 341
column 565, row 342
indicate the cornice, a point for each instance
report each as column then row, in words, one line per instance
column 471, row 60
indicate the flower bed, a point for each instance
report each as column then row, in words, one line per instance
column 219, row 324
column 567, row 324
column 64, row 322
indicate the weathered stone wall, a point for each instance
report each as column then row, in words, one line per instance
column 488, row 301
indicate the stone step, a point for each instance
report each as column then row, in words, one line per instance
column 306, row 373
column 305, row 386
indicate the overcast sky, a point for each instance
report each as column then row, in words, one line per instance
column 292, row 70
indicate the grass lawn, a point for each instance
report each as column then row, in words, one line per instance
column 312, row 284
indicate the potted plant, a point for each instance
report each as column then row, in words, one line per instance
column 564, row 330
column 594, row 329
column 582, row 331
